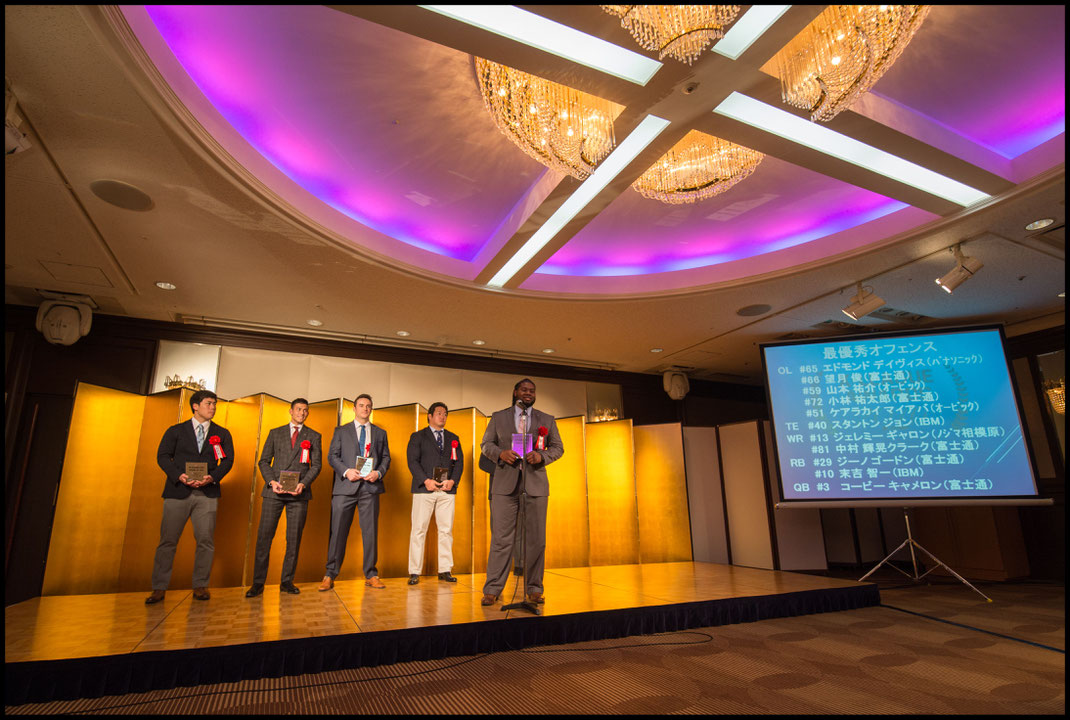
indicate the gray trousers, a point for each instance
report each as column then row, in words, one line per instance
column 366, row 504
column 504, row 510
column 175, row 514
column 270, row 512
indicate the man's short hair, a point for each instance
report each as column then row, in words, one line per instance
column 363, row 395
column 517, row 386
column 431, row 410
column 199, row 396
column 298, row 401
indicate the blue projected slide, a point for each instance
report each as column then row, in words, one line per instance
column 906, row 416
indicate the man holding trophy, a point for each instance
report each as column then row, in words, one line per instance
column 520, row 441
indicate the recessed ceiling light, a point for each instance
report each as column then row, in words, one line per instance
column 1062, row 294
column 120, row 194
column 818, row 137
column 479, row 342
column 655, row 350
column 166, row 286
column 548, row 350
column 752, row 310
column 314, row 323
column 555, row 38
column 403, row 333
column 1038, row 224
column 635, row 143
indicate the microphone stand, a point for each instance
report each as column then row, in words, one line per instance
column 523, row 604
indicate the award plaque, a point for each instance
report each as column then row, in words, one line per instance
column 364, row 465
column 289, row 480
column 521, row 443
column 196, row 470
column 440, row 475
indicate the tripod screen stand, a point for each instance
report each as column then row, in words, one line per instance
column 911, row 543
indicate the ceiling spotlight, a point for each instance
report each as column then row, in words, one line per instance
column 315, row 323
column 863, row 303
column 403, row 333
column 1038, row 224
column 966, row 268
column 655, row 350
column 548, row 350
column 166, row 286
column 479, row 342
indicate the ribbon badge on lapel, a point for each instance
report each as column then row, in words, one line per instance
column 453, row 450
column 216, row 447
column 305, row 445
column 540, row 444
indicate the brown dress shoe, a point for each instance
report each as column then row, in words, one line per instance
column 157, row 596
column 200, row 594
column 535, row 598
column 488, row 599
column 375, row 582
column 327, row 584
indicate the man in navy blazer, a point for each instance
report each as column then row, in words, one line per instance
column 430, row 448
column 188, row 497
column 354, row 491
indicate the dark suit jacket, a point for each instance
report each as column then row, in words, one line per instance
column 179, row 446
column 499, row 437
column 277, row 448
column 343, row 455
column 424, row 457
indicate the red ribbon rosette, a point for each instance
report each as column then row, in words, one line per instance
column 453, row 451
column 368, row 450
column 540, row 443
column 305, row 445
column 216, row 447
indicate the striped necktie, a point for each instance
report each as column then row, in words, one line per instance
column 438, row 439
column 200, row 437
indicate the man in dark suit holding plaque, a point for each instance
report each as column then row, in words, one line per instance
column 519, row 467
column 195, row 456
column 360, row 456
column 436, row 464
column 290, row 461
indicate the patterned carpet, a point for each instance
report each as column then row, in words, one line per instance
column 928, row 649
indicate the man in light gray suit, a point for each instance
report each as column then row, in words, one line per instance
column 295, row 447
column 356, row 492
column 513, row 474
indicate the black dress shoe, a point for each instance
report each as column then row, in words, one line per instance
column 413, row 579
column 255, row 590
column 157, row 596
column 447, row 577
column 289, row 587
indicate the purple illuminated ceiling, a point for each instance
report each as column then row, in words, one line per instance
column 382, row 138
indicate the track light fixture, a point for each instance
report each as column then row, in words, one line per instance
column 863, row 303
column 965, row 269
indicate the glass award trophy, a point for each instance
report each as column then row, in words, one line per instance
column 364, row 465
column 521, row 443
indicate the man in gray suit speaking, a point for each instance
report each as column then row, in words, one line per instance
column 292, row 447
column 512, row 474
column 356, row 490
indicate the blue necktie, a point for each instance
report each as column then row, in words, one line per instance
column 438, row 438
column 200, row 437
column 360, row 441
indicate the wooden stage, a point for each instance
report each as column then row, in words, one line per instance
column 90, row 645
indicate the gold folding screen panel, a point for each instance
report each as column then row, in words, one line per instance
column 104, row 537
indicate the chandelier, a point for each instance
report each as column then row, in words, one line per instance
column 564, row 129
column 698, row 167
column 842, row 53
column 682, row 31
column 1056, row 392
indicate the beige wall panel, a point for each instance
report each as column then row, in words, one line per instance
column 480, row 500
column 661, row 494
column 706, row 506
column 145, row 509
column 800, row 542
column 312, row 557
column 395, row 503
column 748, row 521
column 244, row 372
column 331, row 377
column 86, row 547
column 568, row 541
column 611, row 501
column 424, row 385
column 274, row 412
column 491, row 392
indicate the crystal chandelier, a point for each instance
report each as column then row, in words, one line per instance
column 564, row 129
column 698, row 167
column 842, row 53
column 682, row 31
